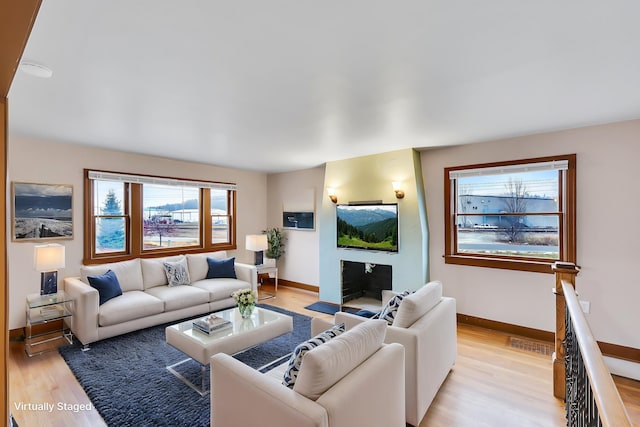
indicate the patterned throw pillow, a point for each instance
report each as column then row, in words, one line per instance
column 388, row 313
column 291, row 373
column 177, row 272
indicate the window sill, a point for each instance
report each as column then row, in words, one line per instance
column 536, row 266
column 104, row 259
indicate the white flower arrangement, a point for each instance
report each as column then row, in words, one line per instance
column 245, row 296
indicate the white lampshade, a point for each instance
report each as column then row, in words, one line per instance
column 257, row 242
column 48, row 257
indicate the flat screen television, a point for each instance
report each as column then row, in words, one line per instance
column 371, row 227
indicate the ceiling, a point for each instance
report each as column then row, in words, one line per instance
column 284, row 85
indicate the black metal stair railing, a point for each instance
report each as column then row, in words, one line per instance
column 580, row 403
column 592, row 398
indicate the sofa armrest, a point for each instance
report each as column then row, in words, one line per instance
column 235, row 385
column 84, row 323
column 349, row 319
column 248, row 273
column 430, row 352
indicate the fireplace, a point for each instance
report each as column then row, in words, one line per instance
column 364, row 280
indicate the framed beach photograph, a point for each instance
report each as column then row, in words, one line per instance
column 41, row 211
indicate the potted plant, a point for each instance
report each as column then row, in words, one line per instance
column 276, row 239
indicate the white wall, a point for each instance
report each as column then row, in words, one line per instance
column 37, row 161
column 300, row 261
column 607, row 234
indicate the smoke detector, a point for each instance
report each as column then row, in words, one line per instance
column 35, row 69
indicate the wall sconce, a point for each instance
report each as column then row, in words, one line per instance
column 47, row 259
column 332, row 194
column 396, row 188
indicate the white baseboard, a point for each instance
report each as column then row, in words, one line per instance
column 623, row 368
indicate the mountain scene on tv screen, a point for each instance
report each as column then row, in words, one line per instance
column 375, row 229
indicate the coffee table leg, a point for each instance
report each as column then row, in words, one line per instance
column 202, row 390
column 202, row 374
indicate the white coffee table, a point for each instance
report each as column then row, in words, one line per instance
column 262, row 326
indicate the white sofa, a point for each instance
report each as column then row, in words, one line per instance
column 146, row 298
column 429, row 336
column 351, row 380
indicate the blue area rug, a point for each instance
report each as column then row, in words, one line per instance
column 126, row 378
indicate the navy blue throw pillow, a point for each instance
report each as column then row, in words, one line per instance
column 221, row 268
column 107, row 285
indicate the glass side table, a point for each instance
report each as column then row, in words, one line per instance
column 42, row 309
column 272, row 271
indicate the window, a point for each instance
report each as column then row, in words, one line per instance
column 516, row 215
column 110, row 218
column 171, row 216
column 220, row 218
column 127, row 216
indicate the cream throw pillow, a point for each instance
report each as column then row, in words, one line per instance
column 129, row 273
column 198, row 266
column 153, row 272
column 417, row 304
column 291, row 373
column 328, row 363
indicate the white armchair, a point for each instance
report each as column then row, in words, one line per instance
column 429, row 337
column 351, row 380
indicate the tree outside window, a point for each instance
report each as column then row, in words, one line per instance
column 111, row 231
column 109, row 219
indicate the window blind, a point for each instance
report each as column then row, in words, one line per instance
column 497, row 170
column 142, row 179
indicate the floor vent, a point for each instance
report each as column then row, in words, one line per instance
column 531, row 346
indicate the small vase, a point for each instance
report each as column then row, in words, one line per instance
column 246, row 310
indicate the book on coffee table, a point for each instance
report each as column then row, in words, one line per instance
column 210, row 323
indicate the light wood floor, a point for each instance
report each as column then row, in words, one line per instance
column 492, row 384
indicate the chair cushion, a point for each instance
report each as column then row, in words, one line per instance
column 198, row 266
column 177, row 272
column 388, row 313
column 325, row 365
column 220, row 289
column 291, row 372
column 129, row 273
column 129, row 306
column 107, row 285
column 417, row 304
column 221, row 268
column 177, row 297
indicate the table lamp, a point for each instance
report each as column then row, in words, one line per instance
column 257, row 243
column 47, row 259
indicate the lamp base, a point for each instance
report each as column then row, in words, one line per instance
column 48, row 282
column 259, row 257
